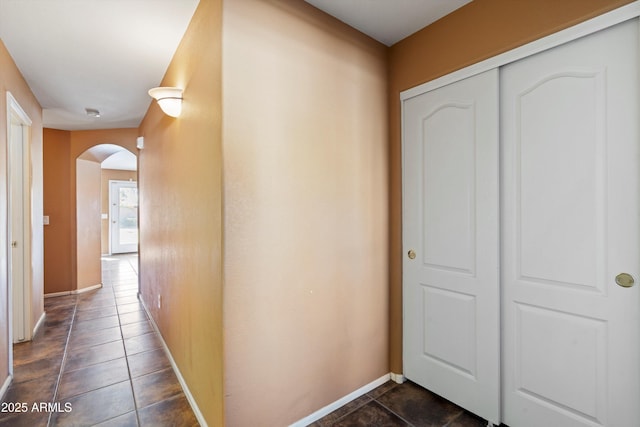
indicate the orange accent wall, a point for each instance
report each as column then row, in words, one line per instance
column 181, row 237
column 57, row 205
column 61, row 252
column 11, row 80
column 305, row 211
column 110, row 174
column 477, row 31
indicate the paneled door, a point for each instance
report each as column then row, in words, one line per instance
column 123, row 198
column 570, row 236
column 19, row 277
column 450, row 239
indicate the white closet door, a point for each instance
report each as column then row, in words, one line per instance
column 450, row 225
column 570, row 226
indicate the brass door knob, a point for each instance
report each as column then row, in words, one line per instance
column 625, row 280
column 411, row 254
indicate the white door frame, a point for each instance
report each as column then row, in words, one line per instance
column 16, row 115
column 609, row 19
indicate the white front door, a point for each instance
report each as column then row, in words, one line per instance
column 450, row 239
column 570, row 153
column 123, row 201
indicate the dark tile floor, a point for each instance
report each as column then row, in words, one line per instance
column 400, row 405
column 96, row 361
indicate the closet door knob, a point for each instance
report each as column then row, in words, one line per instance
column 625, row 280
column 411, row 254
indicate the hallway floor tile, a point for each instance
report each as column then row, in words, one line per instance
column 401, row 405
column 96, row 361
column 98, row 355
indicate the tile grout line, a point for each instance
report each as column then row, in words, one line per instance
column 64, row 357
column 371, row 399
column 385, row 407
column 454, row 418
column 126, row 354
column 350, row 412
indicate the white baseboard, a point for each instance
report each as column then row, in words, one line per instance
column 39, row 323
column 341, row 402
column 74, row 292
column 183, row 383
column 5, row 387
column 398, row 378
column 57, row 294
column 87, row 289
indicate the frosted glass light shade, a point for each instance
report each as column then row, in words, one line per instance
column 169, row 99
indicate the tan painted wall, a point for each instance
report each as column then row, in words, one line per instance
column 479, row 30
column 88, row 204
column 62, row 150
column 11, row 80
column 180, row 187
column 57, row 205
column 305, row 190
column 110, row 174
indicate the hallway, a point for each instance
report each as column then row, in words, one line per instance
column 98, row 358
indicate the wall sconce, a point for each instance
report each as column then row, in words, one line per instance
column 169, row 99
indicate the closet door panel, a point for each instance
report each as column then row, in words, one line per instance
column 570, row 211
column 560, row 146
column 450, row 237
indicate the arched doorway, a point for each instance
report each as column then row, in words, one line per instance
column 96, row 169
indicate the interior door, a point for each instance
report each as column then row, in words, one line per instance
column 17, row 236
column 450, row 239
column 570, row 226
column 123, row 199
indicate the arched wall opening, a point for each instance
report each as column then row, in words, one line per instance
column 97, row 214
column 67, row 155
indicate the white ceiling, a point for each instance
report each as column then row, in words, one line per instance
column 122, row 160
column 111, row 156
column 388, row 21
column 101, row 54
column 106, row 54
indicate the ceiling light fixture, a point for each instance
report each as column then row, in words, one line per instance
column 169, row 99
column 92, row 112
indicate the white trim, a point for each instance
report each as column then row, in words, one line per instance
column 341, row 402
column 87, row 289
column 15, row 110
column 5, row 387
column 12, row 105
column 183, row 383
column 75, row 292
column 39, row 323
column 397, row 378
column 57, row 294
column 609, row 19
column 110, row 214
